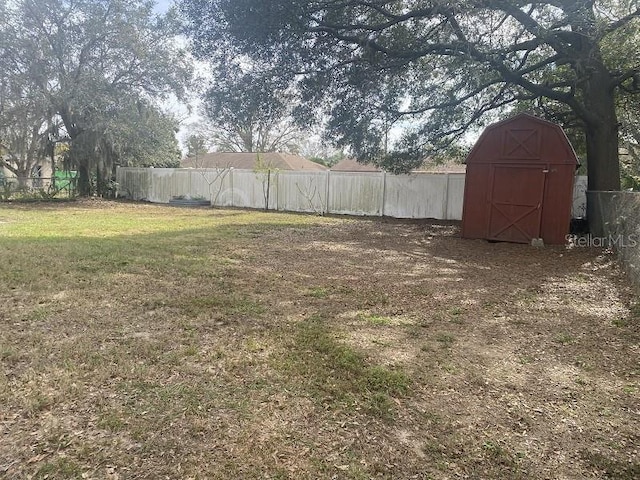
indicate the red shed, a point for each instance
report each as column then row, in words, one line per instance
column 519, row 183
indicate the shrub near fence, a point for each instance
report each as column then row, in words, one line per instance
column 60, row 186
column 417, row 195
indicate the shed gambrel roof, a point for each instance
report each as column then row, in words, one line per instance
column 520, row 138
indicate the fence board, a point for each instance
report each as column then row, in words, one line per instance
column 302, row 191
column 250, row 189
column 416, row 196
column 455, row 198
column 356, row 193
column 134, row 183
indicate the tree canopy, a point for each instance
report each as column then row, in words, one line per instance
column 439, row 67
column 99, row 66
column 197, row 146
column 25, row 130
column 249, row 111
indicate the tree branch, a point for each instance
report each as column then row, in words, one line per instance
column 619, row 23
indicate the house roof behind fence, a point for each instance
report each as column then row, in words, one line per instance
column 251, row 161
column 351, row 165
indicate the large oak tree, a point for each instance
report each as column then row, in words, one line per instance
column 445, row 65
column 99, row 65
column 25, row 130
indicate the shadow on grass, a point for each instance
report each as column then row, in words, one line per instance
column 338, row 376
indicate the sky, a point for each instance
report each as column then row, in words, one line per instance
column 181, row 111
column 162, row 5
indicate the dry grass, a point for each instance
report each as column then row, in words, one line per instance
column 141, row 341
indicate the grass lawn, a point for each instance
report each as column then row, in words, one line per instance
column 142, row 341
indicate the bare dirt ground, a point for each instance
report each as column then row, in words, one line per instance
column 253, row 345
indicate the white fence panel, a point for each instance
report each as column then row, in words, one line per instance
column 302, row 191
column 416, row 196
column 354, row 193
column 134, row 183
column 220, row 184
column 167, row 183
column 250, row 189
column 455, row 197
column 200, row 180
column 210, row 183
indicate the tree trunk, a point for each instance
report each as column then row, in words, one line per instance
column 22, row 175
column 78, row 156
column 603, row 165
column 102, row 180
column 84, row 180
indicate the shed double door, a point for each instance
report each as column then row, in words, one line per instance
column 516, row 197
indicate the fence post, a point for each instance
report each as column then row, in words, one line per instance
column 384, row 192
column 445, row 204
column 232, row 193
column 277, row 185
column 326, row 201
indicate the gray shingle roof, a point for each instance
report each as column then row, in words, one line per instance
column 249, row 161
column 351, row 165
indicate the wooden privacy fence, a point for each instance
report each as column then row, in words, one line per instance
column 417, row 195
